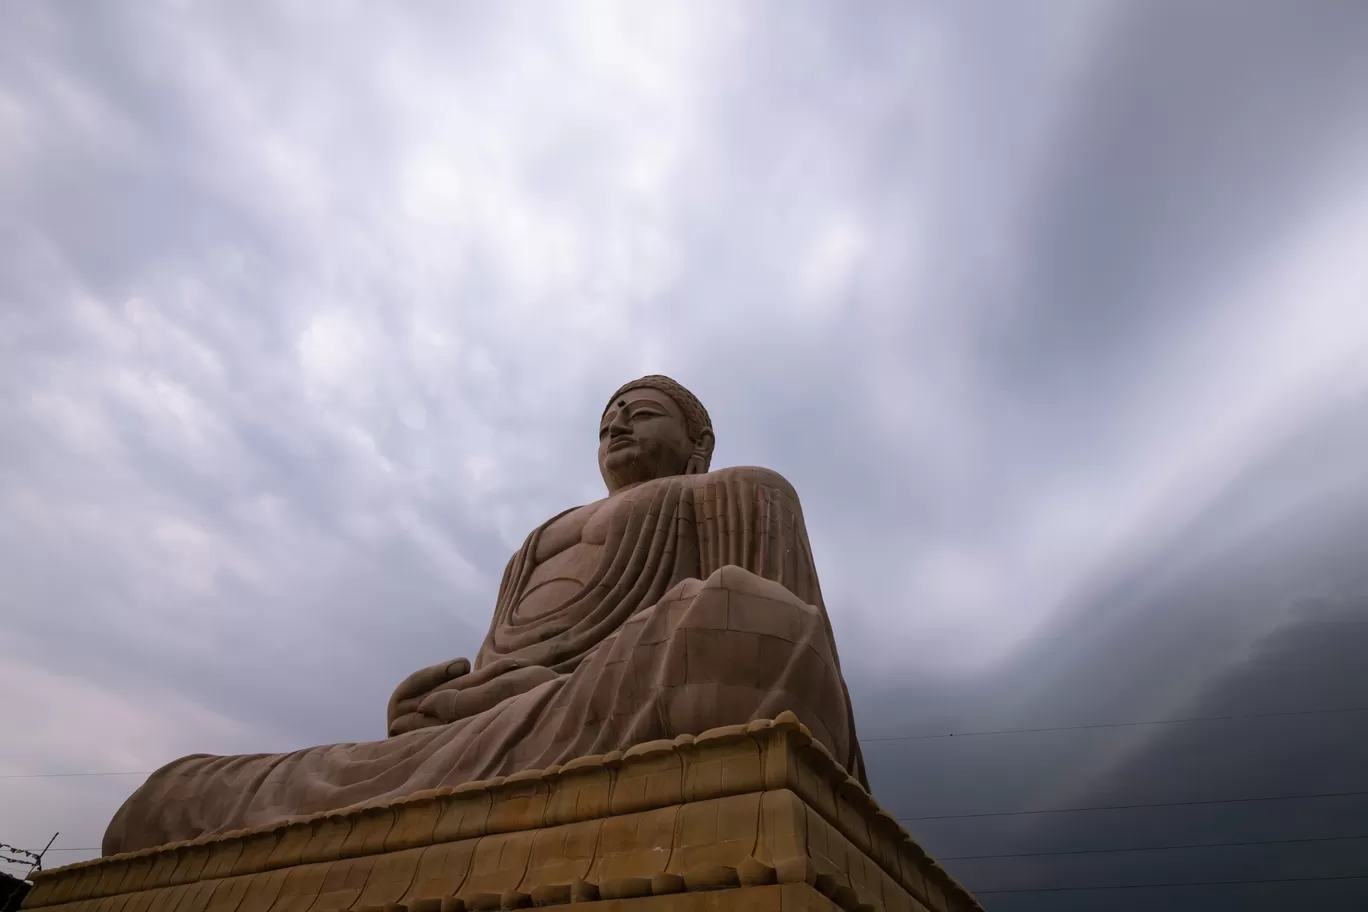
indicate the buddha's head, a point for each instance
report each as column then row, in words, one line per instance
column 653, row 428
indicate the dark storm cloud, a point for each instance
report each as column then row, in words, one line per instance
column 307, row 321
column 1314, row 661
column 1279, row 549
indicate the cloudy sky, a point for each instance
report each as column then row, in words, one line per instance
column 1056, row 316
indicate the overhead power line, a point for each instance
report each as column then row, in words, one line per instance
column 1128, row 807
column 66, row 775
column 1160, row 848
column 1058, row 728
column 67, row 849
column 1176, row 883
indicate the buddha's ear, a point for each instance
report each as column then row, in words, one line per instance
column 702, row 454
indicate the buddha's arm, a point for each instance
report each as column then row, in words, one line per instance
column 751, row 517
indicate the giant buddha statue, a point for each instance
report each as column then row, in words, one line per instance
column 684, row 600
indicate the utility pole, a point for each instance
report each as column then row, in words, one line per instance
column 36, row 864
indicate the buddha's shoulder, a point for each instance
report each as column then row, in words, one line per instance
column 753, row 475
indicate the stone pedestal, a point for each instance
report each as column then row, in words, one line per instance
column 755, row 817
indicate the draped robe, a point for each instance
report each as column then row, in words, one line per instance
column 703, row 610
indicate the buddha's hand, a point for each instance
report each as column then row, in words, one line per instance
column 450, row 691
column 483, row 689
column 403, row 714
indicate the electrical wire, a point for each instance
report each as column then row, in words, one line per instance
column 65, row 775
column 1060, row 728
column 1128, row 807
column 1183, row 883
column 1160, row 848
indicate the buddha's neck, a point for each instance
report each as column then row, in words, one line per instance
column 635, row 484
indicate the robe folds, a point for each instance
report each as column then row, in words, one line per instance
column 704, row 610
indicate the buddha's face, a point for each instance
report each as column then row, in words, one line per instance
column 643, row 436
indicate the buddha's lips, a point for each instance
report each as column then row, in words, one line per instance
column 620, row 443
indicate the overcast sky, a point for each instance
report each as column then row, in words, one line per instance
column 1056, row 315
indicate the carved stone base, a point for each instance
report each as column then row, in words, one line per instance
column 744, row 817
